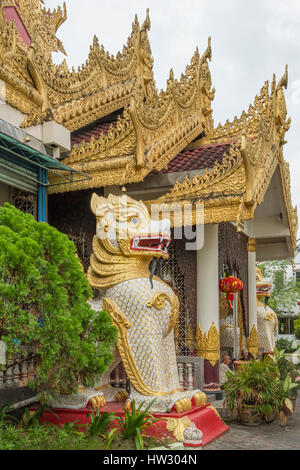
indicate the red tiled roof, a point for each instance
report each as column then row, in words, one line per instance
column 85, row 135
column 197, row 158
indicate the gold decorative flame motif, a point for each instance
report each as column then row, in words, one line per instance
column 208, row 344
column 252, row 342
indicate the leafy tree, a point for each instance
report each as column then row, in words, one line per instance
column 285, row 291
column 44, row 309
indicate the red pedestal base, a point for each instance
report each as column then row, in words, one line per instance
column 205, row 418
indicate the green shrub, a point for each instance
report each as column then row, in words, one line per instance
column 44, row 309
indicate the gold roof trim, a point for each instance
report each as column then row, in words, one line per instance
column 63, row 88
column 269, row 107
column 150, row 132
column 120, row 134
column 231, row 190
column 41, row 24
column 225, row 178
column 188, row 213
column 291, row 210
column 81, row 112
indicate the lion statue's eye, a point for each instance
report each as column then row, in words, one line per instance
column 134, row 220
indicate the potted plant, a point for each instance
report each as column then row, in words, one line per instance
column 254, row 393
column 290, row 390
column 288, row 375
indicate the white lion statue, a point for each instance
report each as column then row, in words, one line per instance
column 143, row 307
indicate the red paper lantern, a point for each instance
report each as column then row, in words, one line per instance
column 230, row 285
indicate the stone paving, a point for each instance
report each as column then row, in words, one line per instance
column 270, row 436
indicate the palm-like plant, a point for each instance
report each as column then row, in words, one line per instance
column 4, row 416
column 287, row 372
column 134, row 423
column 258, row 385
column 288, row 386
column 99, row 424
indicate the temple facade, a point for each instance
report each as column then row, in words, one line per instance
column 105, row 126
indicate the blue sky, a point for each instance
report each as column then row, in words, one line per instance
column 251, row 40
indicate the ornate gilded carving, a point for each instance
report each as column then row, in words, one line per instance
column 281, row 124
column 76, row 98
column 252, row 245
column 174, row 317
column 207, row 93
column 233, row 188
column 291, row 211
column 200, row 399
column 112, row 260
column 226, row 178
column 124, row 349
column 163, row 123
column 177, row 426
column 159, row 301
column 153, row 128
column 97, row 402
column 272, row 318
column 208, row 344
column 252, row 342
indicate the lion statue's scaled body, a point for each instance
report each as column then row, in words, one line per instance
column 144, row 312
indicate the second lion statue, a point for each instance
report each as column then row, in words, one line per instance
column 144, row 309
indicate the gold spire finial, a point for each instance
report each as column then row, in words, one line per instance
column 147, row 23
column 283, row 82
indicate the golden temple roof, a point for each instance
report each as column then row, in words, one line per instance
column 124, row 129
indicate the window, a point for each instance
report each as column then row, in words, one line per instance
column 25, row 202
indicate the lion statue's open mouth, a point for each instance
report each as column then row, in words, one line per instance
column 157, row 243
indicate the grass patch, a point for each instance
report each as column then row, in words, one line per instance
column 99, row 432
column 40, row 437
